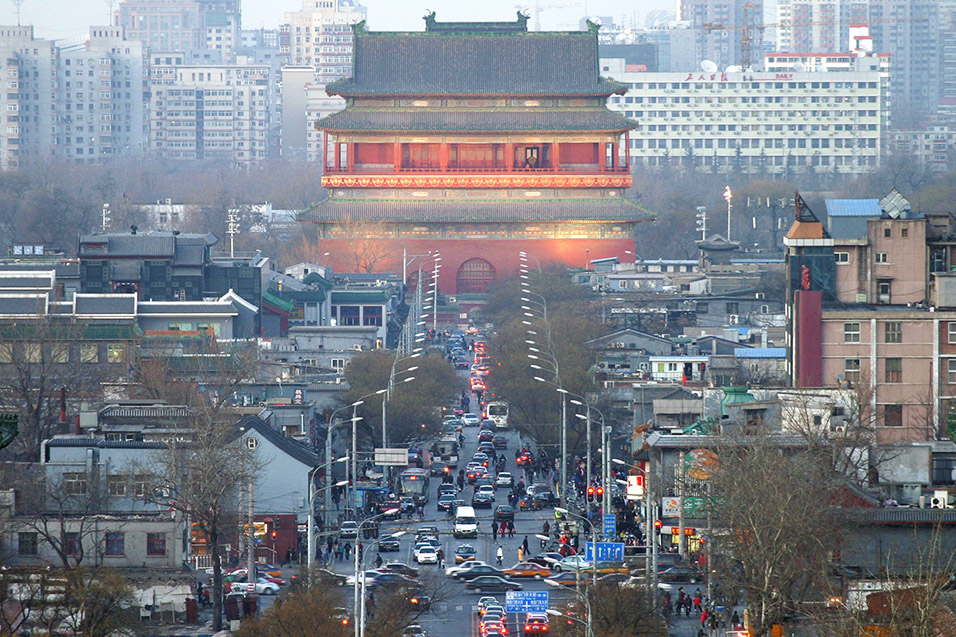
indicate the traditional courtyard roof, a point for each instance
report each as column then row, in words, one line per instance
column 474, row 58
column 477, row 121
column 480, row 211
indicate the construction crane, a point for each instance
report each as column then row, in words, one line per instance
column 749, row 31
column 536, row 10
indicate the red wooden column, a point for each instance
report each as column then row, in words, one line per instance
column 602, row 156
column 350, row 156
column 337, row 156
column 615, row 154
column 444, row 150
column 556, row 156
column 397, row 156
column 325, row 151
column 627, row 151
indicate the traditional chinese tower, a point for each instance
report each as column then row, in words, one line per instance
column 478, row 140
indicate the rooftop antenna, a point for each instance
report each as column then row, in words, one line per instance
column 17, row 4
column 109, row 17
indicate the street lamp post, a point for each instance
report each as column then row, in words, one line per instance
column 355, row 553
column 328, row 454
column 361, row 624
column 649, row 528
column 587, row 606
column 355, row 419
column 311, row 521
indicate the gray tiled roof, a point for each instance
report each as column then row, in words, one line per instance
column 488, row 62
column 147, row 308
column 596, row 119
column 27, row 281
column 23, row 304
column 405, row 211
column 111, row 304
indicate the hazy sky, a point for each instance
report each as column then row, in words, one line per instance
column 58, row 19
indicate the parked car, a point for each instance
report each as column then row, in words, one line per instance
column 400, row 567
column 492, row 583
column 571, row 563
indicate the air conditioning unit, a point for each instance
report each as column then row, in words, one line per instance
column 940, row 500
column 358, row 347
column 619, row 345
column 735, row 319
column 452, row 299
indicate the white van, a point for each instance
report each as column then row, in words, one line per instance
column 466, row 524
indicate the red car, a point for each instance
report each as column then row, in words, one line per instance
column 535, row 624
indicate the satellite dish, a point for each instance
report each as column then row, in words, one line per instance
column 733, row 68
column 708, row 66
column 749, row 69
column 800, row 67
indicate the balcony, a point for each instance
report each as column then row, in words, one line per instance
column 427, row 177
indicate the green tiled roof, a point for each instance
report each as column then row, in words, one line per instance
column 302, row 296
column 477, row 121
column 359, row 296
column 469, row 60
column 277, row 302
column 471, row 211
column 90, row 332
column 317, row 279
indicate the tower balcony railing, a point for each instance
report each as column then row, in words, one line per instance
column 378, row 169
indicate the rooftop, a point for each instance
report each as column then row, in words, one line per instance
column 477, row 121
column 474, row 58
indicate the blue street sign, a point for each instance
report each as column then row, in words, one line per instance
column 526, row 601
column 606, row 552
column 610, row 525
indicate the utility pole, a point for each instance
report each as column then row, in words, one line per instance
column 232, row 229
column 728, row 197
column 250, row 541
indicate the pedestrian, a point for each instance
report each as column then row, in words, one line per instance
column 546, row 528
column 511, row 528
column 524, row 544
column 712, row 621
column 500, row 555
column 503, row 528
column 703, row 618
column 735, row 620
column 199, row 594
column 378, row 561
column 520, row 554
column 348, row 550
column 338, row 553
column 494, row 532
column 441, row 558
column 697, row 601
column 687, row 605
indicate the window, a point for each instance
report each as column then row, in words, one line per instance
column 74, row 483
column 893, row 332
column 842, row 257
column 892, row 415
column 33, row 353
column 116, row 353
column 115, row 543
column 951, row 331
column 71, row 543
column 905, row 232
column 349, row 315
column 894, row 370
column 372, row 315
column 851, row 332
column 851, row 369
column 881, row 257
column 337, row 363
column 883, row 290
column 89, row 353
column 117, row 485
column 27, row 543
column 139, row 486
column 156, row 544
column 951, row 371
column 887, row 233
column 733, row 308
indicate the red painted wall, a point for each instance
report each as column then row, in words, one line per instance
column 374, row 153
column 579, row 153
column 501, row 253
column 808, row 338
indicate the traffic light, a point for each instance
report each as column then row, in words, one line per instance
column 274, row 535
column 657, row 525
column 600, row 492
column 590, row 494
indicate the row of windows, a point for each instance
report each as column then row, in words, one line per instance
column 114, row 544
column 62, row 353
column 751, row 85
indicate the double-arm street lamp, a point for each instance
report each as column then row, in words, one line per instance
column 312, row 490
column 649, row 527
column 356, row 587
column 328, row 454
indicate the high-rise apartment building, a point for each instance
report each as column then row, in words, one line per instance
column 28, row 68
column 208, row 112
column 101, row 100
column 817, row 26
column 207, row 30
column 719, row 33
column 320, row 35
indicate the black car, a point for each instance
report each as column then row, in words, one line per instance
column 504, row 512
column 392, row 579
column 492, row 584
column 482, row 500
column 400, row 567
column 438, row 468
column 479, row 571
column 447, row 487
column 500, row 442
column 488, row 448
column 444, row 501
column 389, row 546
column 462, row 363
column 419, row 601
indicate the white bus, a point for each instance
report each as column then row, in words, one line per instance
column 498, row 412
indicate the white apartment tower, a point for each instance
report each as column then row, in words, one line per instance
column 320, row 35
column 209, row 112
column 101, row 110
column 28, row 68
column 817, row 26
column 207, row 30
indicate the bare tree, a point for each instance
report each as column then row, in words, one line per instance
column 316, row 609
